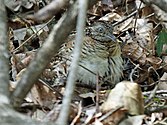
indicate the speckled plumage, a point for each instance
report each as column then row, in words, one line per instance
column 101, row 54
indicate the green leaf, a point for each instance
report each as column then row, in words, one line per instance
column 162, row 39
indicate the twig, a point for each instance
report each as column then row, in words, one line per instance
column 15, row 50
column 74, row 64
column 132, row 72
column 109, row 113
column 127, row 17
column 156, row 109
column 155, row 88
column 157, row 92
column 78, row 115
column 136, row 17
column 97, row 94
column 51, row 88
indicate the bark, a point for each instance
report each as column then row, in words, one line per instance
column 4, row 63
column 7, row 115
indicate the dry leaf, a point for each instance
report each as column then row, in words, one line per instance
column 114, row 118
column 125, row 94
column 42, row 95
column 111, row 17
column 135, row 52
column 154, row 61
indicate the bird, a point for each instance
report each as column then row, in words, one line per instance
column 100, row 56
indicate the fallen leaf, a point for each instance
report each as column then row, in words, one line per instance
column 125, row 94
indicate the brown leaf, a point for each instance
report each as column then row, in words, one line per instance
column 115, row 117
column 154, row 61
column 135, row 52
column 125, row 94
column 42, row 95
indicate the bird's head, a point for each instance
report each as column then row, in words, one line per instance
column 101, row 31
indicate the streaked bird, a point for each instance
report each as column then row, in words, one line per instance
column 100, row 55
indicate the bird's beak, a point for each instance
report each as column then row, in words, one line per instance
column 112, row 37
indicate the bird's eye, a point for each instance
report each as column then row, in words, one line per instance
column 100, row 29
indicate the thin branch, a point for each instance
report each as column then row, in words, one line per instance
column 132, row 72
column 97, row 93
column 126, row 18
column 157, row 92
column 74, row 64
column 32, row 36
column 78, row 114
column 153, row 92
